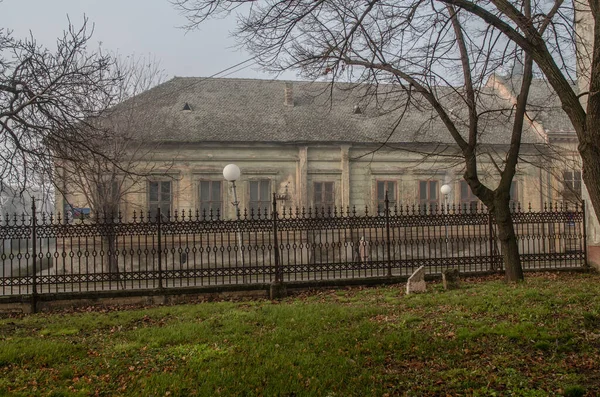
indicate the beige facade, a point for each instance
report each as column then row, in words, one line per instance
column 300, row 175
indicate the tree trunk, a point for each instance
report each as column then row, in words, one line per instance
column 508, row 240
column 111, row 244
column 588, row 133
column 589, row 140
column 591, row 176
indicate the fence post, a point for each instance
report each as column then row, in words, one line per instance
column 277, row 289
column 158, row 222
column 491, row 237
column 387, row 234
column 585, row 253
column 34, row 257
column 278, row 277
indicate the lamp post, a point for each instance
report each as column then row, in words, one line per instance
column 232, row 173
column 445, row 190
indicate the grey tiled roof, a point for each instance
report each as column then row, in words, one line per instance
column 246, row 110
column 544, row 106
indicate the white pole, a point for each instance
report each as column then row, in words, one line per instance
column 231, row 173
column 236, row 203
column 446, row 221
column 445, row 190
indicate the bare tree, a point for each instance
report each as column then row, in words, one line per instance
column 68, row 116
column 49, row 100
column 121, row 155
column 122, row 158
column 440, row 56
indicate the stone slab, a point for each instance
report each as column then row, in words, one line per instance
column 416, row 282
column 451, row 279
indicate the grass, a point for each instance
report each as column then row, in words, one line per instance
column 538, row 338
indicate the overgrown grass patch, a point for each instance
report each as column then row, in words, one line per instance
column 538, row 338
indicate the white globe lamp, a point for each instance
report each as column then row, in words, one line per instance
column 231, row 172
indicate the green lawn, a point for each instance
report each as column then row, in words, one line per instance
column 487, row 339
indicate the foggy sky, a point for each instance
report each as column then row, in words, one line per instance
column 147, row 28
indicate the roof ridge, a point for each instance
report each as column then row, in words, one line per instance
column 235, row 79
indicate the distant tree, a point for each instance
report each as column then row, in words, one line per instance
column 122, row 154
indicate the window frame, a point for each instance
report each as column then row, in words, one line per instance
column 158, row 202
column 380, row 201
column 266, row 204
column 471, row 201
column 322, row 205
column 219, row 209
column 570, row 189
column 429, row 201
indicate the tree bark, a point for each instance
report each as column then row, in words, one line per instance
column 591, row 174
column 589, row 140
column 111, row 244
column 513, row 269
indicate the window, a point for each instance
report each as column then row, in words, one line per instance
column 571, row 194
column 210, row 198
column 260, row 196
column 572, row 185
column 390, row 188
column 159, row 196
column 80, row 213
column 428, row 192
column 323, row 196
column 468, row 200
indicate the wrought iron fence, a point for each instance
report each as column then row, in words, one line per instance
column 43, row 255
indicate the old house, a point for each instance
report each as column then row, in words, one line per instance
column 324, row 146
